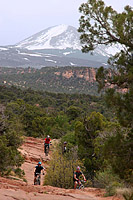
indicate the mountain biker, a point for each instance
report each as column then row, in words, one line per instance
column 64, row 147
column 76, row 176
column 37, row 170
column 47, row 142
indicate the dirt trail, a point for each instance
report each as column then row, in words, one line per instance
column 32, row 150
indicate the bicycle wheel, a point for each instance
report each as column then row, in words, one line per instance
column 46, row 153
column 81, row 187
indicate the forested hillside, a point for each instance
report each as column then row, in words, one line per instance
column 32, row 113
column 53, row 79
column 81, row 120
column 57, row 102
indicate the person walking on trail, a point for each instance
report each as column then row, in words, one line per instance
column 37, row 170
column 47, row 142
column 76, row 176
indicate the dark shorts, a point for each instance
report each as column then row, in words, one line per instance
column 46, row 145
column 74, row 180
column 36, row 173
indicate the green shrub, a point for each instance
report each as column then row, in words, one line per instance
column 112, row 188
column 9, row 156
column 19, row 172
column 69, row 138
column 60, row 171
column 10, row 140
column 127, row 193
column 108, row 180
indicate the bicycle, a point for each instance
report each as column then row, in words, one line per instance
column 47, row 149
column 38, row 179
column 81, row 186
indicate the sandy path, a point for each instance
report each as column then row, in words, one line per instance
column 32, row 150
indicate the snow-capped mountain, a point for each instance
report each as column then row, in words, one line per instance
column 57, row 37
column 54, row 46
column 62, row 37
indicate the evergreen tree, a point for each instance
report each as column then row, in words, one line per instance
column 86, row 132
column 101, row 25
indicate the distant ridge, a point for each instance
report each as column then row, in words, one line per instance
column 68, row 80
column 54, row 46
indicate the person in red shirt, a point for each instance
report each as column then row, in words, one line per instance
column 47, row 142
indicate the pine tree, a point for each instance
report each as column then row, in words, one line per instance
column 101, row 25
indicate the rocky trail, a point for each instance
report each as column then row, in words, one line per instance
column 32, row 150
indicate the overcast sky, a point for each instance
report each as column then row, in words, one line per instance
column 20, row 19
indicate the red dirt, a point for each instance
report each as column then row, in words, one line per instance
column 11, row 189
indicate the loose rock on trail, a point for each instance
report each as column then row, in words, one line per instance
column 33, row 151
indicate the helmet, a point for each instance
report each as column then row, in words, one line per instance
column 65, row 142
column 48, row 136
column 78, row 168
column 39, row 163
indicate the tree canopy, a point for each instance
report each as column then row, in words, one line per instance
column 101, row 25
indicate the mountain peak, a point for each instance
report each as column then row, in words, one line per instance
column 56, row 37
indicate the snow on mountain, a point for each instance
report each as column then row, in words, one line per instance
column 62, row 37
column 57, row 37
column 3, row 49
column 112, row 50
column 54, row 46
